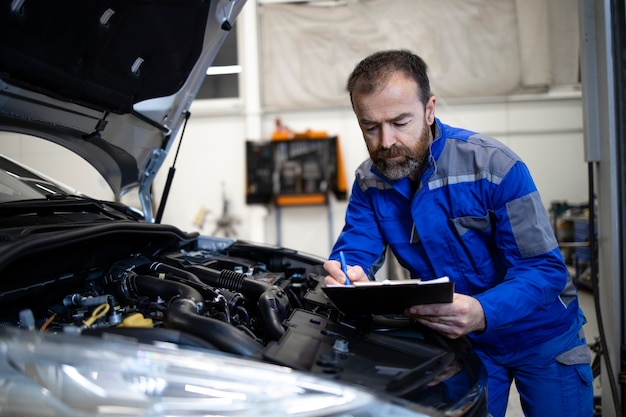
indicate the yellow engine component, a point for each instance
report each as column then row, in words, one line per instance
column 136, row 320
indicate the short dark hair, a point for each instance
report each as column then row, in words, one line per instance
column 377, row 67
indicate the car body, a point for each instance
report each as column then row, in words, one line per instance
column 105, row 311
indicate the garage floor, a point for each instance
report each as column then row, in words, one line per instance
column 591, row 332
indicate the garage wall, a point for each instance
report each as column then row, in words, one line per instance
column 478, row 48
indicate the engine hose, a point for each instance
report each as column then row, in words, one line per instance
column 272, row 301
column 205, row 290
column 273, row 311
column 139, row 285
column 79, row 300
column 161, row 267
column 182, row 314
column 231, row 280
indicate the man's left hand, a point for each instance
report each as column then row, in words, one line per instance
column 463, row 316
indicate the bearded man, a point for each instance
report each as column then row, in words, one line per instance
column 456, row 203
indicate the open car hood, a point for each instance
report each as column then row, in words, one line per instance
column 118, row 96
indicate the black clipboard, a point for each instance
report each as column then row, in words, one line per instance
column 388, row 297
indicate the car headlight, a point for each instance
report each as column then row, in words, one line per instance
column 65, row 375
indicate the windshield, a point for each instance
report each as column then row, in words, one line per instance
column 18, row 184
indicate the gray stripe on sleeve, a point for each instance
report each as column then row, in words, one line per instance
column 457, row 179
column 531, row 225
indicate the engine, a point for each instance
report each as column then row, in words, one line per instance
column 193, row 298
column 155, row 284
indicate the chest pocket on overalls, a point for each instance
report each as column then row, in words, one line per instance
column 475, row 235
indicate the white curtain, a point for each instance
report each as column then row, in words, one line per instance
column 474, row 48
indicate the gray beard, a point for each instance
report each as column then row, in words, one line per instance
column 396, row 170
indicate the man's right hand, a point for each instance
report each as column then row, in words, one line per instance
column 336, row 276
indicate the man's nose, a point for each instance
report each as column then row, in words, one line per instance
column 387, row 138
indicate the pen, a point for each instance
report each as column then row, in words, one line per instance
column 344, row 268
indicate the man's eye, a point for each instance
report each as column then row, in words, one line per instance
column 370, row 128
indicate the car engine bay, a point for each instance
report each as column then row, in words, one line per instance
column 156, row 284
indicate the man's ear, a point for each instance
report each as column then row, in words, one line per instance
column 429, row 111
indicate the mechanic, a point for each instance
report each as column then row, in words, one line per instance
column 452, row 202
